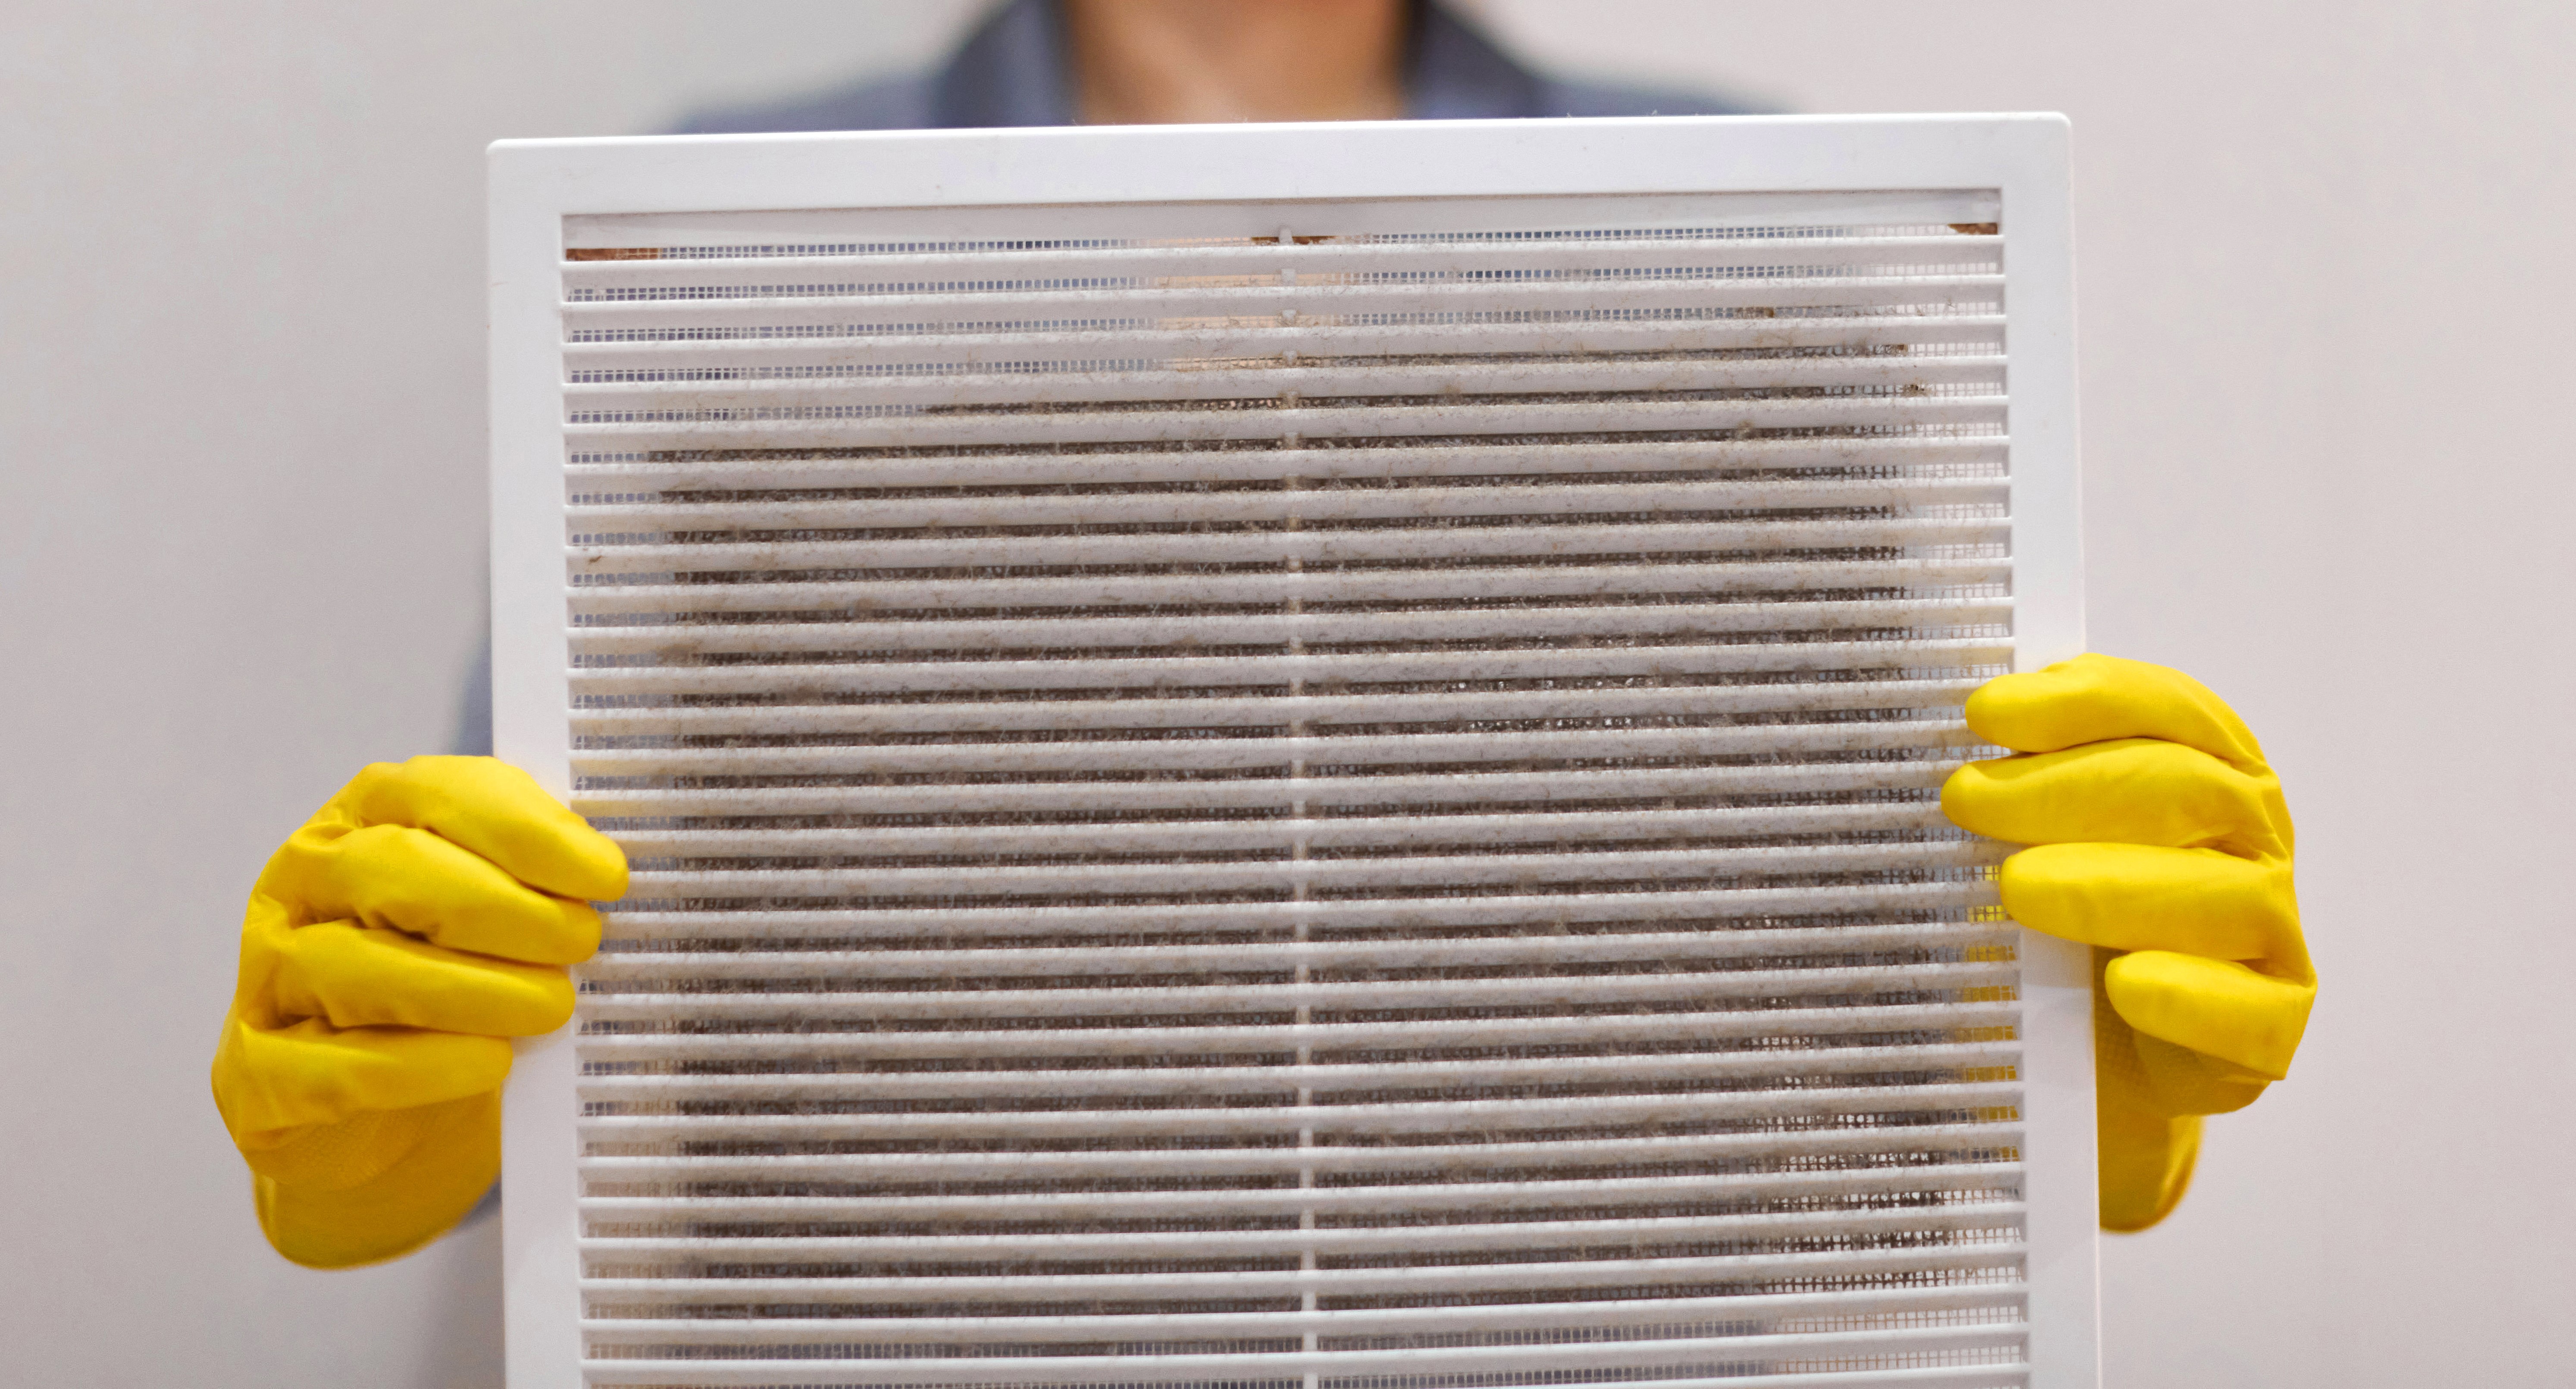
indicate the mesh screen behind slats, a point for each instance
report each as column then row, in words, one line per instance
column 1334, row 810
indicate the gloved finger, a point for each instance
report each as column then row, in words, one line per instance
column 2214, row 1007
column 267, row 1080
column 352, row 976
column 416, row 881
column 2094, row 699
column 497, row 811
column 357, row 1150
column 2184, row 1081
column 2133, row 791
column 2141, row 1074
column 2137, row 897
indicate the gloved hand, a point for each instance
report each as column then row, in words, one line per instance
column 2161, row 840
column 392, row 945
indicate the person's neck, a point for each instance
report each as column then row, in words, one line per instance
column 1161, row 62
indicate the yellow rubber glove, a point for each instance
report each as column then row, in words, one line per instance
column 2163, row 842
column 392, row 945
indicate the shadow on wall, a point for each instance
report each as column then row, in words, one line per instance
column 461, row 1335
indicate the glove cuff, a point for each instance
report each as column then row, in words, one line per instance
column 419, row 1194
column 2147, row 1139
column 2147, row 1161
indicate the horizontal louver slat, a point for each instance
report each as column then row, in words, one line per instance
column 1895, row 463
column 1613, row 1271
column 996, row 269
column 1767, row 1026
column 1333, row 304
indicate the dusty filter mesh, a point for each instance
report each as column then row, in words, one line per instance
column 1305, row 811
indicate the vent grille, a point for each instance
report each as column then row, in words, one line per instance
column 1338, row 810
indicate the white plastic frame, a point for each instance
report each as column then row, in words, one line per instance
column 536, row 186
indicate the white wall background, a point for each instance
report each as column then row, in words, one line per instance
column 2325, row 291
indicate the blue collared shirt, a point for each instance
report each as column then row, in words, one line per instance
column 1013, row 71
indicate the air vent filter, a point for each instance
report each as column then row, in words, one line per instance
column 1298, row 757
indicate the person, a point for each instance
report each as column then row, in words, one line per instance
column 1163, row 62
column 428, row 912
